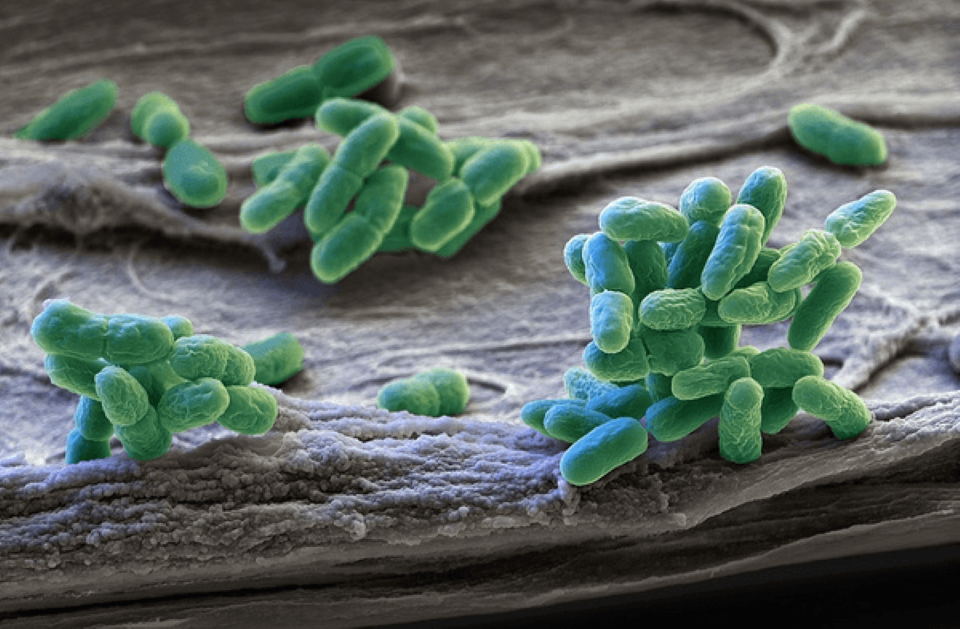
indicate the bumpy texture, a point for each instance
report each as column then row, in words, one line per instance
column 654, row 362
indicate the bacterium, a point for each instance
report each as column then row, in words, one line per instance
column 435, row 392
column 157, row 119
column 669, row 293
column 74, row 115
column 841, row 140
column 276, row 359
column 194, row 175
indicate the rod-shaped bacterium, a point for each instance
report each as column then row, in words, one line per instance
column 739, row 427
column 602, row 450
column 854, row 222
column 74, row 115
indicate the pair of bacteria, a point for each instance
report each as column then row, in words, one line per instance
column 671, row 290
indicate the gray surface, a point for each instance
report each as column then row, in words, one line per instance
column 623, row 100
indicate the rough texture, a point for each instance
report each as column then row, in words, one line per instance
column 332, row 512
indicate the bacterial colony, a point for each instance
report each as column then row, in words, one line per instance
column 670, row 287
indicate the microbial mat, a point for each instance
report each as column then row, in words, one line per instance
column 361, row 515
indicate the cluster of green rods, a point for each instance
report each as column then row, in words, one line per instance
column 142, row 378
column 472, row 174
column 670, row 291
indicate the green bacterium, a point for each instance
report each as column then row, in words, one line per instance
column 832, row 291
column 146, row 439
column 705, row 199
column 709, row 378
column 606, row 266
column 276, row 358
column 569, row 422
column 91, row 421
column 192, row 404
column 435, row 392
column 841, row 409
column 294, row 94
column 630, row 400
column 493, row 170
column 758, row 304
column 611, row 320
column 356, row 158
column 354, row 67
column 288, row 190
column 815, row 251
column 735, row 252
column 534, row 413
column 766, row 190
column 193, row 175
column 124, row 400
column 81, row 449
column 672, row 309
column 250, row 411
column 602, row 450
column 448, row 209
column 628, row 365
column 74, row 115
column 156, row 119
column 840, row 139
column 739, row 427
column 854, row 222
column 630, row 218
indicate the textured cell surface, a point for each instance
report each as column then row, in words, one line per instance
column 739, row 427
column 627, row 365
column 344, row 248
column 602, row 450
column 782, row 367
column 630, row 400
column 193, row 175
column 133, row 339
column 288, row 189
column 705, row 199
column 493, row 170
column 606, row 265
column 447, row 210
column 629, row 218
column 91, row 421
column 757, row 305
column 276, row 358
column 709, row 378
column 192, row 404
column 451, row 386
column 611, row 320
column 81, row 449
column 415, row 396
column 841, row 409
column 146, row 439
column 833, row 290
column 671, row 419
column 570, row 422
column 250, row 412
column 815, row 251
column 840, row 139
column 735, row 251
column 853, row 222
column 672, row 309
column 74, row 115
column 766, row 190
column 124, row 399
